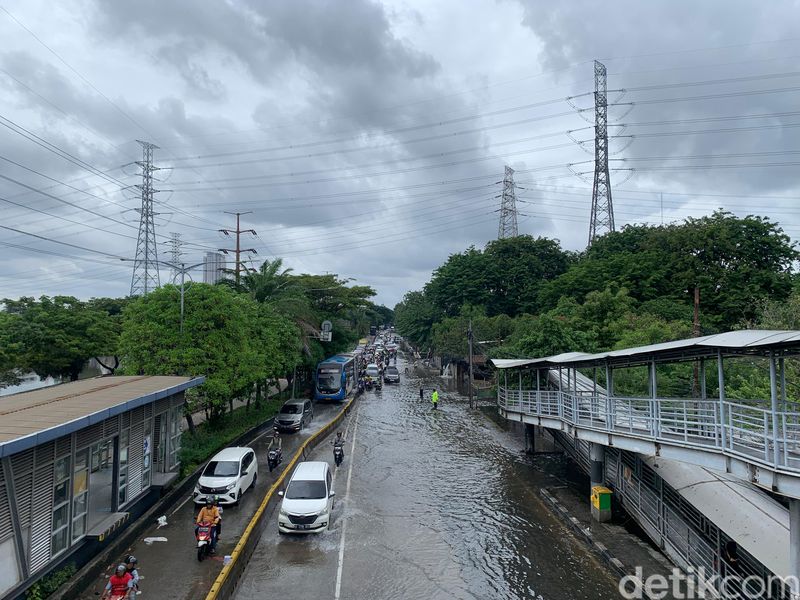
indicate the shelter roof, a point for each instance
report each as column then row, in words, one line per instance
column 746, row 341
column 31, row 418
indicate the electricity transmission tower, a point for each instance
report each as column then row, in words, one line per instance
column 238, row 250
column 508, row 208
column 145, row 266
column 602, row 219
column 175, row 252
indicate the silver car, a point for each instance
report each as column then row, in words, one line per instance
column 391, row 375
column 294, row 415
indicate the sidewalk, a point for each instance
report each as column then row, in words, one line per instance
column 200, row 415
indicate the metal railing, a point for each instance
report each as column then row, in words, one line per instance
column 746, row 429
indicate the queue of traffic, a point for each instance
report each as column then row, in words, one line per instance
column 308, row 499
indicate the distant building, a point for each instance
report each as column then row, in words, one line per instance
column 214, row 268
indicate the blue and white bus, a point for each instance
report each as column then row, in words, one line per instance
column 336, row 377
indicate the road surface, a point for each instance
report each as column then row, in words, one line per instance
column 429, row 505
column 170, row 569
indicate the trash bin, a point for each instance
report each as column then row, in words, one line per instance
column 601, row 503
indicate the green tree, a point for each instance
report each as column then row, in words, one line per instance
column 217, row 340
column 56, row 336
column 415, row 317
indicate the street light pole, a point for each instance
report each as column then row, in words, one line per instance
column 469, row 337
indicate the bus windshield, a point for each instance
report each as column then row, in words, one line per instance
column 329, row 379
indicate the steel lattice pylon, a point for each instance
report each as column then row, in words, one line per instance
column 508, row 208
column 175, row 252
column 602, row 219
column 145, row 266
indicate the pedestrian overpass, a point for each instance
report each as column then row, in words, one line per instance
column 757, row 440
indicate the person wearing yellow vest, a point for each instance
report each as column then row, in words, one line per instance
column 435, row 399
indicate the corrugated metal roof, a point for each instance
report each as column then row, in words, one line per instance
column 31, row 418
column 755, row 521
column 752, row 339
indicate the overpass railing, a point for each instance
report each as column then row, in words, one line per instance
column 743, row 428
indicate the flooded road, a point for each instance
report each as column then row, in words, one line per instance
column 439, row 504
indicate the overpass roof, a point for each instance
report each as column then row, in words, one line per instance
column 31, row 418
column 757, row 522
column 746, row 341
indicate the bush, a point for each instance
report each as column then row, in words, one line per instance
column 50, row 583
column 211, row 436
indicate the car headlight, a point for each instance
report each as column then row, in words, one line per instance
column 230, row 486
column 283, row 513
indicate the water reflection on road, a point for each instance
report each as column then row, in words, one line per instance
column 442, row 505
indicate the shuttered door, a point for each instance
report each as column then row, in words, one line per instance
column 42, row 517
column 135, row 454
column 6, row 530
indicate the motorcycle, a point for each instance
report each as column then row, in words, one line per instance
column 368, row 384
column 338, row 454
column 274, row 458
column 203, row 537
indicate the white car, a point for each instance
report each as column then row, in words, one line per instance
column 227, row 476
column 308, row 499
column 373, row 371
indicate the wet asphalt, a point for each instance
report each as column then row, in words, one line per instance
column 440, row 504
column 170, row 569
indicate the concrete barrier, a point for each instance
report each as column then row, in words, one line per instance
column 226, row 582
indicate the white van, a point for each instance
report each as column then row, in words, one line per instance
column 308, row 499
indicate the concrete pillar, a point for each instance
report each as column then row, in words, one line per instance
column 600, row 495
column 597, row 457
column 794, row 547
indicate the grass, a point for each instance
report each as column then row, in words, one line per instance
column 209, row 437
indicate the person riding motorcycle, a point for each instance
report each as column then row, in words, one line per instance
column 210, row 514
column 275, row 442
column 120, row 584
column 132, row 566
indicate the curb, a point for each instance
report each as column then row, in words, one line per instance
column 586, row 536
column 224, row 586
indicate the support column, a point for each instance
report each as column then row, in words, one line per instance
column 721, row 380
column 19, row 545
column 773, row 392
column 601, row 495
column 794, row 548
column 597, row 457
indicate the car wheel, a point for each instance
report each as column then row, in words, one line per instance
column 255, row 478
column 236, row 497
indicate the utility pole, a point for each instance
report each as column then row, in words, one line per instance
column 508, row 208
column 145, row 266
column 469, row 339
column 238, row 251
column 602, row 218
column 175, row 252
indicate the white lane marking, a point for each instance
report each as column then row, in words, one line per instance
column 180, row 506
column 344, row 516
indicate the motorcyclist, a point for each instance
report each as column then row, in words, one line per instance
column 210, row 514
column 275, row 443
column 119, row 584
column 132, row 566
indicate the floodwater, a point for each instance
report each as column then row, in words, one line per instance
column 440, row 504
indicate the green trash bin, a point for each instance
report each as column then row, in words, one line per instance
column 601, row 503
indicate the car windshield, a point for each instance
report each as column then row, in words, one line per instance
column 392, row 370
column 306, row 490
column 372, row 371
column 290, row 409
column 221, row 468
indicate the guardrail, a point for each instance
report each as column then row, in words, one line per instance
column 225, row 584
column 749, row 431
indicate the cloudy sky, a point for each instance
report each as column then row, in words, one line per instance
column 369, row 138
